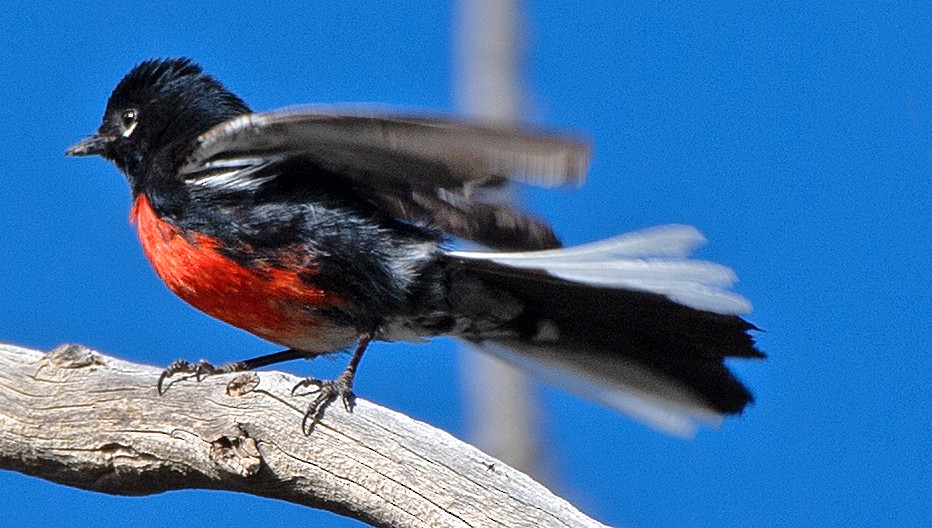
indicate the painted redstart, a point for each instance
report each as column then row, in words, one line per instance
column 320, row 229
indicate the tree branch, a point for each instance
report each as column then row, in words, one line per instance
column 80, row 418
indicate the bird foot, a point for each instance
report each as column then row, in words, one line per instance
column 198, row 371
column 327, row 392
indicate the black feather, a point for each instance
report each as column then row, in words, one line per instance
column 684, row 345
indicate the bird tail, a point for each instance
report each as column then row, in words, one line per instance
column 628, row 321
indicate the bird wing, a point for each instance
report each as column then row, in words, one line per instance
column 435, row 171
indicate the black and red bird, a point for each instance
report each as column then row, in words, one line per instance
column 321, row 230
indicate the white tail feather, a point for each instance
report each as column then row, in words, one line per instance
column 652, row 260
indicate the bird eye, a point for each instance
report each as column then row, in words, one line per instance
column 128, row 121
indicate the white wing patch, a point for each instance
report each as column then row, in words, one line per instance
column 237, row 174
column 653, row 260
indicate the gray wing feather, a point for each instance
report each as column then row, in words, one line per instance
column 439, row 152
column 438, row 172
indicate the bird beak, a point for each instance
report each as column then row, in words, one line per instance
column 92, row 145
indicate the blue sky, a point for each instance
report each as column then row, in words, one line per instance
column 797, row 137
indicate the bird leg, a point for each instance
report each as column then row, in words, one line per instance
column 202, row 368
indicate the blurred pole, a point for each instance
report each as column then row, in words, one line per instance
column 501, row 411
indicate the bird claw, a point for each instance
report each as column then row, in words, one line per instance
column 198, row 371
column 327, row 392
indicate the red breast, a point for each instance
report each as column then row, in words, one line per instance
column 273, row 302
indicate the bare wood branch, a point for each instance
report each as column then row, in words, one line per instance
column 80, row 418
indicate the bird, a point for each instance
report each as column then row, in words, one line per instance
column 326, row 228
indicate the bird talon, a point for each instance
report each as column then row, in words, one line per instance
column 306, row 382
column 327, row 392
column 179, row 365
column 349, row 400
column 203, row 369
column 198, row 371
column 159, row 386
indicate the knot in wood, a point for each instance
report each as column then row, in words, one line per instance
column 69, row 356
column 243, row 384
column 238, row 455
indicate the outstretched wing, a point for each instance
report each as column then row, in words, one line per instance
column 433, row 171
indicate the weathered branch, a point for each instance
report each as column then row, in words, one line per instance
column 77, row 417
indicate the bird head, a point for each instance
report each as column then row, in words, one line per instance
column 157, row 110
